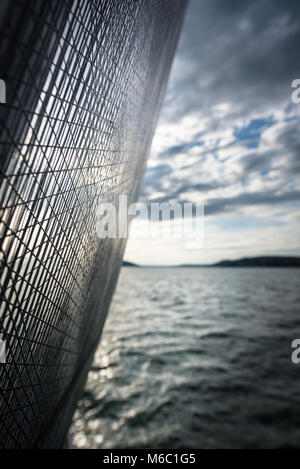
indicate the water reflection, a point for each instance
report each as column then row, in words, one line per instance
column 196, row 358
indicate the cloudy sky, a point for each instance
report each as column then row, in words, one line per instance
column 228, row 134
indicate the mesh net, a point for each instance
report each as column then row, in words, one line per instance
column 84, row 80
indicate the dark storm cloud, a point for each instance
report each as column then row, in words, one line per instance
column 172, row 151
column 229, row 204
column 254, row 162
column 243, row 52
column 154, row 173
column 215, row 206
column 233, row 71
column 178, row 186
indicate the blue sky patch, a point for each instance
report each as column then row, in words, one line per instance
column 251, row 133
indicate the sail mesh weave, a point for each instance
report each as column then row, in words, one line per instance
column 84, row 81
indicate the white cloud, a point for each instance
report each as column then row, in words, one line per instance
column 229, row 134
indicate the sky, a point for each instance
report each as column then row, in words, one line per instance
column 228, row 134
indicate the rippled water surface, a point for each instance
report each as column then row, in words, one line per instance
column 196, row 358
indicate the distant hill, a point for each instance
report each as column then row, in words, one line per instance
column 263, row 261
column 129, row 264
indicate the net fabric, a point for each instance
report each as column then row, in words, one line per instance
column 84, row 80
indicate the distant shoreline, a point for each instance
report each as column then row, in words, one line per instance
column 262, row 261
